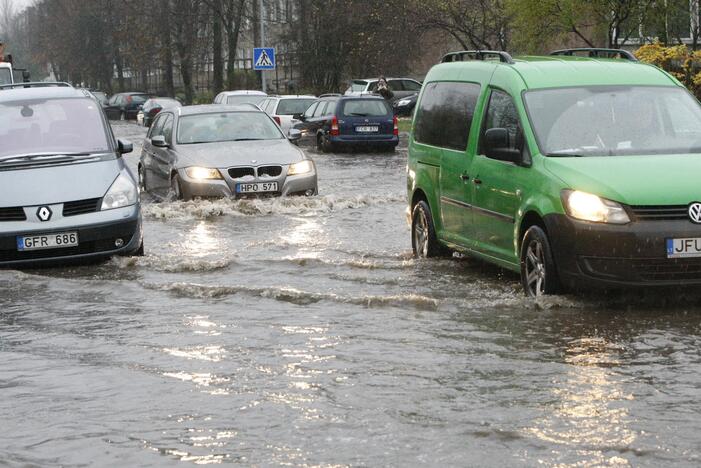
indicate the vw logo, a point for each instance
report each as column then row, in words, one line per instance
column 44, row 213
column 695, row 212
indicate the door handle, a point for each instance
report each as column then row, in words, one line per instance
column 477, row 181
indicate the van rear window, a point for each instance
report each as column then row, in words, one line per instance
column 365, row 108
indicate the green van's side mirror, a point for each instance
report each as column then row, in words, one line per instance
column 497, row 145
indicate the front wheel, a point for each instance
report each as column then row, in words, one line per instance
column 538, row 271
column 424, row 241
column 176, row 191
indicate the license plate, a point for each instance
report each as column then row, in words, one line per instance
column 257, row 187
column 684, row 248
column 47, row 241
column 367, row 129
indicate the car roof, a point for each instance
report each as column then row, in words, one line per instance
column 46, row 92
column 294, row 96
column 244, row 92
column 537, row 72
column 372, row 80
column 360, row 97
column 218, row 108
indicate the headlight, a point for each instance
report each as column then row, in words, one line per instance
column 301, row 167
column 123, row 192
column 202, row 173
column 588, row 207
column 403, row 102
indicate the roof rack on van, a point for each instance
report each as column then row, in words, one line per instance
column 464, row 55
column 598, row 52
column 37, row 84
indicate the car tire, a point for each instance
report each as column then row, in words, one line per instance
column 424, row 241
column 319, row 143
column 142, row 179
column 176, row 191
column 538, row 270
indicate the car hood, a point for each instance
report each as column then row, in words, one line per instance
column 57, row 184
column 633, row 180
column 239, row 153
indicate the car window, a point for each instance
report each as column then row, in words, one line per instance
column 410, row 85
column 113, row 100
column 358, row 86
column 395, row 85
column 52, row 126
column 373, row 86
column 5, row 76
column 310, row 111
column 157, row 127
column 293, row 106
column 321, row 109
column 227, row 126
column 501, row 113
column 245, row 99
column 445, row 114
column 365, row 108
column 138, row 98
column 168, row 129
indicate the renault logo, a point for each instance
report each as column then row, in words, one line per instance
column 695, row 213
column 44, row 213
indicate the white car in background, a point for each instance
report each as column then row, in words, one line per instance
column 401, row 87
column 284, row 108
column 241, row 96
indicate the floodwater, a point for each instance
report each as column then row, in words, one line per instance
column 300, row 332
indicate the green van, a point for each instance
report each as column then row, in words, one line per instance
column 573, row 171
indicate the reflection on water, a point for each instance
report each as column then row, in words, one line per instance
column 588, row 417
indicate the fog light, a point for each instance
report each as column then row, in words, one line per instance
column 119, row 243
column 309, row 192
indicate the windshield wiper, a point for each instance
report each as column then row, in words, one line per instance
column 42, row 156
column 564, row 155
column 355, row 114
column 248, row 139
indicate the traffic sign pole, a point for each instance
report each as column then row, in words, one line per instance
column 262, row 43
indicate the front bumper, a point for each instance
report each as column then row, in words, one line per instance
column 603, row 255
column 96, row 242
column 226, row 188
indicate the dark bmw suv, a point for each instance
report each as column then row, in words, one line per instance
column 347, row 122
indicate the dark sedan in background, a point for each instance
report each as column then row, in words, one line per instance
column 152, row 107
column 405, row 107
column 125, row 106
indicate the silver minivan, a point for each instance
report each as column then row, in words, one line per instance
column 66, row 193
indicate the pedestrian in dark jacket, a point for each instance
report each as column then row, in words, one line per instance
column 383, row 89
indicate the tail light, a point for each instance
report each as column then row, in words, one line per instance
column 277, row 119
column 396, row 126
column 334, row 127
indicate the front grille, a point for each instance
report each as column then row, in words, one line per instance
column 677, row 269
column 239, row 172
column 12, row 214
column 272, row 171
column 660, row 213
column 80, row 207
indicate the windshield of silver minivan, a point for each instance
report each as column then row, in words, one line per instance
column 227, row 126
column 55, row 126
column 614, row 121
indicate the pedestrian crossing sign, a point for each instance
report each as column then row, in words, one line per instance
column 264, row 58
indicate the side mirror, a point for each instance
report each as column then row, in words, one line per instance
column 124, row 146
column 26, row 76
column 497, row 145
column 294, row 135
column 299, row 117
column 159, row 141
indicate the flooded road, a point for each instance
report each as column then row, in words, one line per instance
column 300, row 332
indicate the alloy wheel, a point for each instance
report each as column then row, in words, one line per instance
column 536, row 271
column 421, row 235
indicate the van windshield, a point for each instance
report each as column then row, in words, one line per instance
column 615, row 121
column 53, row 126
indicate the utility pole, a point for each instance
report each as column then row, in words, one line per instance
column 262, row 42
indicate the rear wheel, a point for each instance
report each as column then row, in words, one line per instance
column 538, row 271
column 424, row 242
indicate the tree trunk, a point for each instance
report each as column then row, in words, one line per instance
column 217, row 56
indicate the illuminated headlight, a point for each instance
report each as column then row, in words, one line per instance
column 202, row 173
column 123, row 192
column 301, row 167
column 403, row 102
column 588, row 207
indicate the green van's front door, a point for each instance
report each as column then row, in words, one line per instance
column 497, row 185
